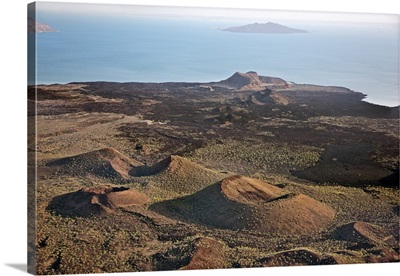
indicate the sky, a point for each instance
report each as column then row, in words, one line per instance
column 217, row 13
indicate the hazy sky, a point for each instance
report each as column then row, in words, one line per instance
column 215, row 13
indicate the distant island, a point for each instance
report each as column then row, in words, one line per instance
column 267, row 28
column 37, row 27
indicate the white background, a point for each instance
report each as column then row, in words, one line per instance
column 13, row 129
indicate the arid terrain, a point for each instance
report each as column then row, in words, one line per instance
column 250, row 171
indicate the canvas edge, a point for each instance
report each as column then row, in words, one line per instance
column 31, row 142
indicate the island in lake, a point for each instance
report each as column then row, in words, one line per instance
column 267, row 28
column 249, row 171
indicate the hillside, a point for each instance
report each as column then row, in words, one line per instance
column 248, row 171
column 96, row 201
column 250, row 81
column 105, row 163
column 239, row 202
column 177, row 175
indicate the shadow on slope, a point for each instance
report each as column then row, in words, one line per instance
column 296, row 257
column 379, row 244
column 240, row 203
column 177, row 174
column 106, row 163
column 96, row 201
column 200, row 253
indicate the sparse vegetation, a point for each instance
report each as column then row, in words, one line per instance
column 173, row 143
column 269, row 155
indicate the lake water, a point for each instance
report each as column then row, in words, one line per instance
column 363, row 58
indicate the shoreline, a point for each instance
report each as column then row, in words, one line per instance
column 366, row 100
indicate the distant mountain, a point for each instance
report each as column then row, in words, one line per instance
column 268, row 28
column 37, row 27
column 250, row 81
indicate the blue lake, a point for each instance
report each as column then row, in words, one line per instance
column 363, row 58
